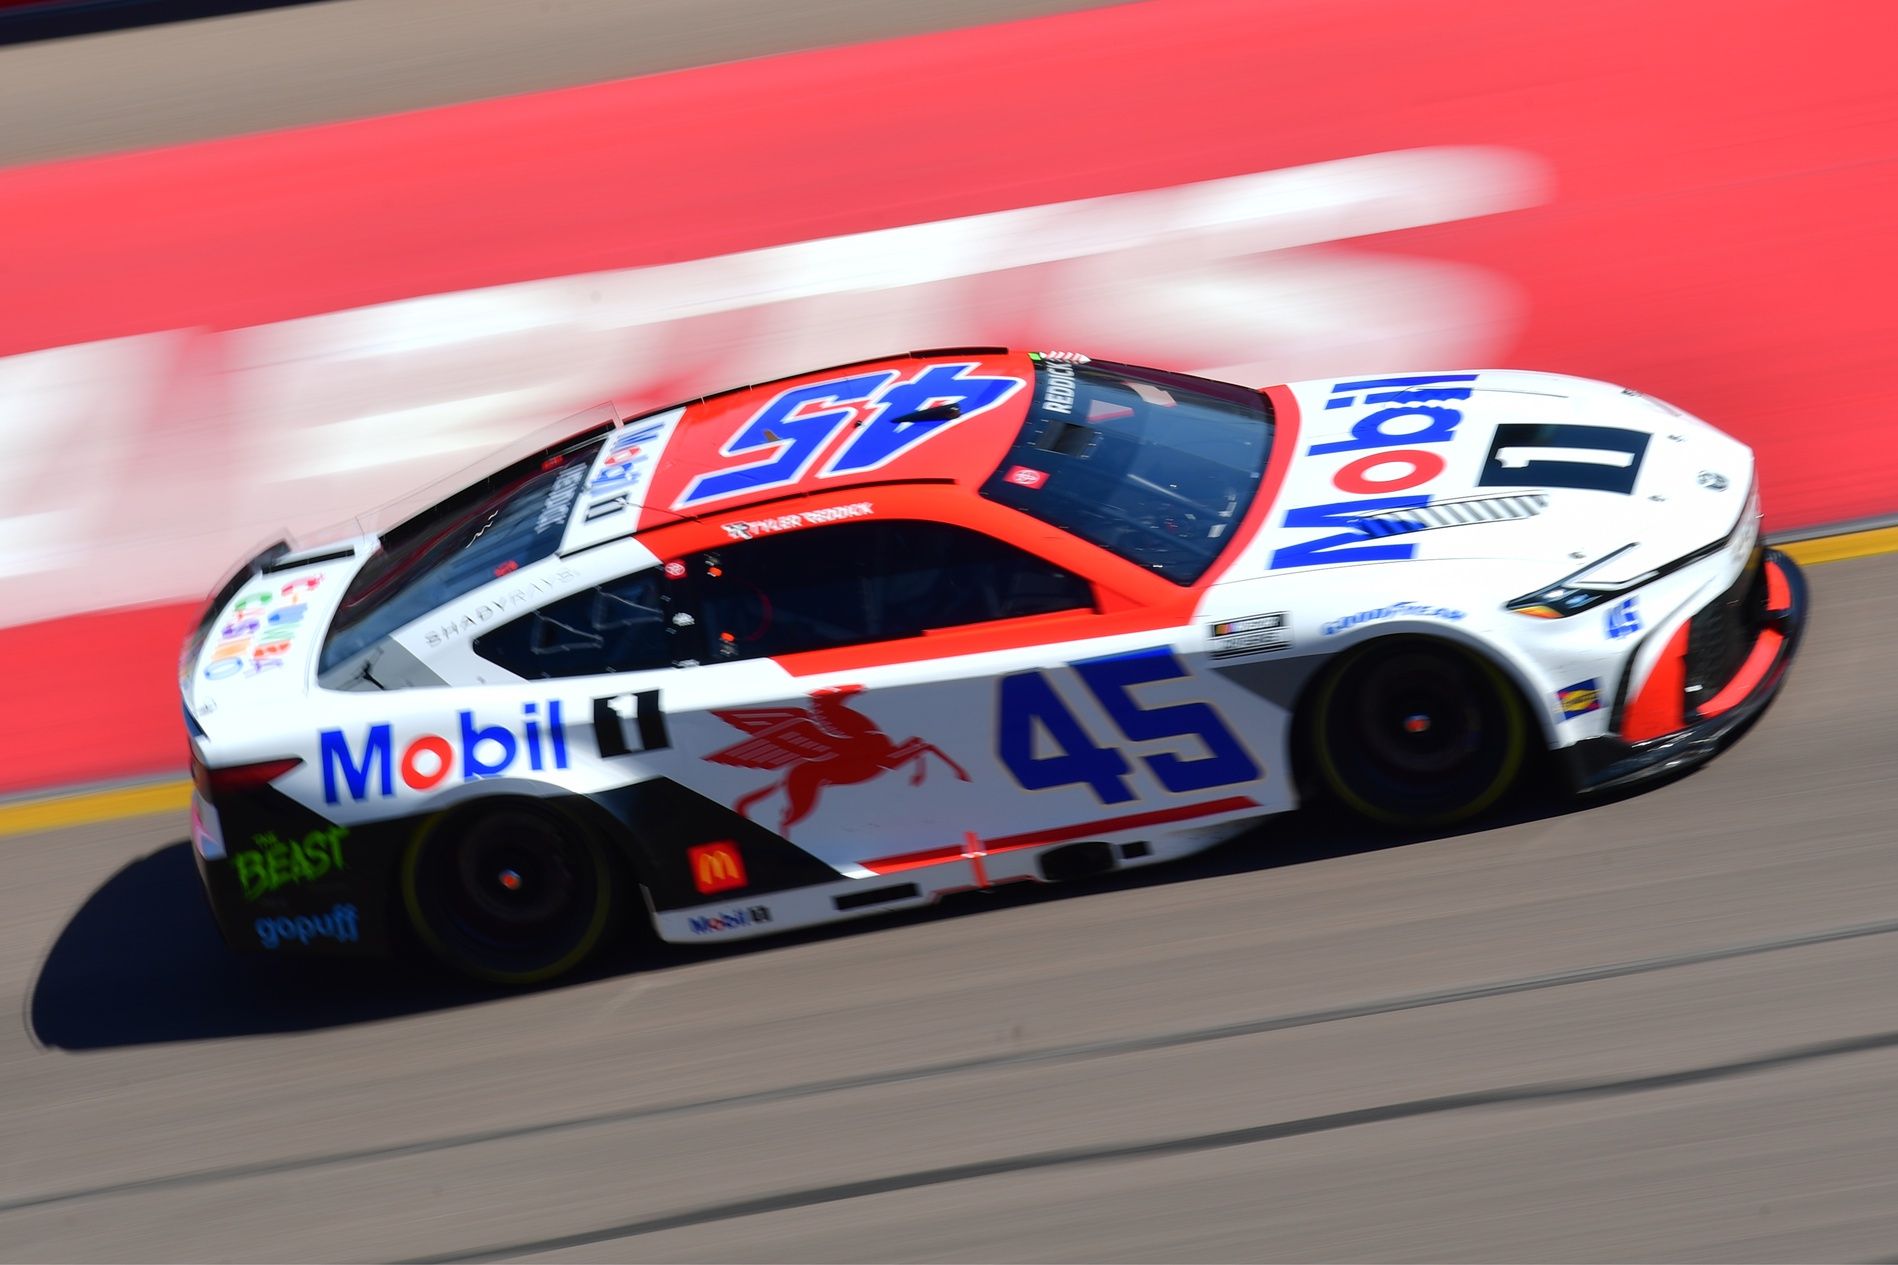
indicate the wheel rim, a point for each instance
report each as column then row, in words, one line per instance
column 1416, row 734
column 512, row 895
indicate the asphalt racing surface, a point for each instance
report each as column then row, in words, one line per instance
column 1660, row 1028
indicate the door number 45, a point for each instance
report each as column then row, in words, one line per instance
column 1028, row 701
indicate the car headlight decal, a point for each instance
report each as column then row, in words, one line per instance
column 1575, row 592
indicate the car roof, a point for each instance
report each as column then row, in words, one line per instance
column 937, row 416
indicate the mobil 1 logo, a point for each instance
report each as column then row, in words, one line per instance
column 1392, row 451
column 1589, row 458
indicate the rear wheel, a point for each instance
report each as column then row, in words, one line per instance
column 1418, row 733
column 511, row 894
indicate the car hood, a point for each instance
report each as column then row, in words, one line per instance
column 1492, row 464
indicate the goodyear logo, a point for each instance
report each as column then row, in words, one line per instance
column 1580, row 698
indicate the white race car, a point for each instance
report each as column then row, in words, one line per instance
column 849, row 641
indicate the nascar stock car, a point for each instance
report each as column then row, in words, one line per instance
column 846, row 642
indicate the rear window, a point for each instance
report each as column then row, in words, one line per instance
column 1157, row 467
column 507, row 521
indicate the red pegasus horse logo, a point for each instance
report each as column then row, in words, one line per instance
column 826, row 744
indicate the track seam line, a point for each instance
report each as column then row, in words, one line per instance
column 1076, row 1052
column 1517, row 1095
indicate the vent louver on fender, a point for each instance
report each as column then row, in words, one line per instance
column 1462, row 512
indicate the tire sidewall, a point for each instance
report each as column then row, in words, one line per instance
column 462, row 954
column 1502, row 695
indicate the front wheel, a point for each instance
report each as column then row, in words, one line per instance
column 512, row 894
column 1418, row 733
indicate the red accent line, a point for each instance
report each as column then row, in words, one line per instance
column 1779, row 594
column 913, row 860
column 1765, row 650
column 1132, row 821
column 1656, row 710
column 972, row 849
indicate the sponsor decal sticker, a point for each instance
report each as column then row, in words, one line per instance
column 1624, row 619
column 339, row 924
column 493, row 608
column 1388, row 457
column 1253, row 634
column 750, row 529
column 730, row 920
column 560, row 498
column 1025, row 476
column 1539, row 455
column 627, row 463
column 716, row 867
column 828, row 743
column 1057, row 389
column 262, row 626
column 1580, row 698
column 271, row 863
column 428, row 760
column 1396, row 610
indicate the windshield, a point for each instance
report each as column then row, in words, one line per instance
column 1158, row 467
column 508, row 520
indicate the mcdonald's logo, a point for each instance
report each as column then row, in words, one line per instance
column 716, row 867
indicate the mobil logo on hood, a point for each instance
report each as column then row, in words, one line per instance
column 1383, row 459
column 371, row 766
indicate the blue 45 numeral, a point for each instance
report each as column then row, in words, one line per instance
column 1028, row 699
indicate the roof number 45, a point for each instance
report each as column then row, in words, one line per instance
column 1030, row 708
column 885, row 418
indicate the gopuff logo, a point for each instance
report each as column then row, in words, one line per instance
column 1413, row 609
column 1624, row 619
column 339, row 924
column 1416, row 411
column 429, row 760
column 731, row 920
column 826, row 744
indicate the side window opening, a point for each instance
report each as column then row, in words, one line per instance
column 624, row 625
column 854, row 583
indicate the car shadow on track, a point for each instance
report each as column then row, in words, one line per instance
column 142, row 962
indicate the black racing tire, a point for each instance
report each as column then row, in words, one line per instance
column 1411, row 732
column 512, row 893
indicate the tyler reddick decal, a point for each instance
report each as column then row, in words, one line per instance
column 1254, row 634
column 1058, row 383
column 750, row 529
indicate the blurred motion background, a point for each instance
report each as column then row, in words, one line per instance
column 213, row 334
column 266, row 266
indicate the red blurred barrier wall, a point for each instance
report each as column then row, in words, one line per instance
column 1726, row 175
